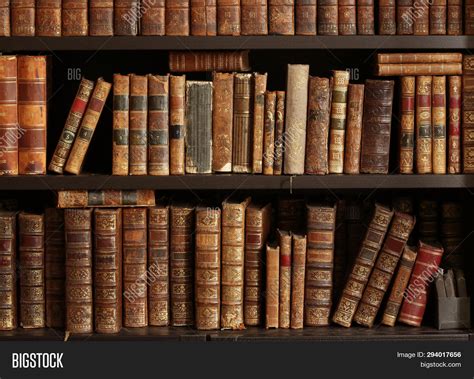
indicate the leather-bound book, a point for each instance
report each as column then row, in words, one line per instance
column 285, row 240
column 454, row 124
column 32, row 114
column 279, row 133
column 22, row 18
column 385, row 266
column 152, row 22
column 177, row 124
column 126, row 16
column 158, row 265
column 9, row 114
column 387, row 17
column 319, row 113
column 138, row 156
column 428, row 221
column 5, row 18
column 87, row 128
column 269, row 133
column 305, row 17
column 424, row 132
column 79, row 297
column 272, row 288
column 242, row 137
column 454, row 17
column 418, row 69
column 438, row 17
column 399, row 286
column 328, row 17
column 75, row 20
column 281, row 17
column 233, row 255
column 341, row 256
column 182, row 265
column 101, row 17
column 416, row 295
column 365, row 17
column 365, row 260
column 468, row 114
column 376, row 126
column 354, row 220
column 419, row 58
column 134, row 247
column 121, row 124
column 48, row 18
column 453, row 234
column 259, row 115
column 158, row 125
column 439, row 124
column 298, row 282
column 257, row 229
column 295, row 124
column 222, row 118
column 55, row 271
column 405, row 16
column 203, row 17
column 347, row 17
column 8, row 271
column 228, row 17
column 407, row 124
column 208, row 268
column 337, row 130
column 291, row 214
column 108, row 270
column 421, row 22
column 198, row 61
column 355, row 106
column 177, row 18
column 106, row 198
column 254, row 17
column 319, row 264
column 198, row 127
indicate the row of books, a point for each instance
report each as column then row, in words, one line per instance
column 233, row 17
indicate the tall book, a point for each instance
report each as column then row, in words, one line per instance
column 468, row 114
column 421, row 20
column 5, row 24
column 363, row 266
column 177, row 18
column 101, row 17
column 281, row 17
column 75, row 20
column 407, row 125
column 242, row 137
column 254, row 17
column 272, row 288
column 405, row 17
column 269, row 133
column 138, row 130
column 298, row 281
column 291, row 214
column 121, row 125
column 347, row 17
column 387, row 17
column 22, row 13
column 305, row 17
column 203, row 17
column 259, row 115
column 454, row 17
column 284, row 317
column 8, row 271
column 341, row 258
column 279, row 133
column 424, row 130
column 328, row 17
column 48, row 18
column 454, row 124
column 177, row 124
column 152, row 22
column 105, row 198
column 365, row 17
column 438, row 17
column 428, row 225
column 355, row 107
column 228, row 17
column 453, row 234
column 355, row 225
column 439, row 124
column 126, row 16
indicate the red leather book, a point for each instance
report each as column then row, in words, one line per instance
column 454, row 124
column 347, row 17
column 365, row 17
column 152, row 22
column 203, row 18
column 327, row 17
column 177, row 18
column 305, row 17
column 387, row 17
column 254, row 17
column 8, row 271
column 5, row 18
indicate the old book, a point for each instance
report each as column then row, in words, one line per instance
column 79, row 276
column 319, row 113
column 152, row 22
column 341, row 259
column 407, row 125
column 222, row 121
column 121, row 125
column 347, row 17
column 279, row 133
column 363, row 265
column 158, row 265
column 55, row 271
column 305, row 17
column 158, row 125
column 328, row 17
column 32, row 114
column 416, row 295
column 177, row 18
column 337, row 130
column 257, row 229
column 197, row 61
column 468, row 114
column 101, row 17
column 126, row 16
column 138, row 126
column 319, row 264
column 428, row 214
column 177, row 124
column 182, row 264
column 242, row 137
column 233, row 254
column 75, row 20
column 454, row 124
column 9, row 115
column 134, row 250
column 8, row 271
column 453, row 233
column 438, row 17
column 454, row 17
column 387, row 17
column 22, row 14
column 260, row 81
column 5, row 24
column 355, row 106
column 439, row 124
column 281, row 17
column 387, row 261
column 298, row 282
column 405, row 17
column 254, row 17
column 365, row 17
column 399, row 58
column 105, row 198
column 419, row 69
column 355, row 225
column 203, row 17
column 228, row 17
column 269, row 133
column 421, row 20
column 376, row 126
column 424, row 130
column 108, row 270
column 48, row 18
column 291, row 214
column 285, row 242
column 295, row 124
column 272, row 288
column 400, row 282
column 87, row 127
column 198, row 127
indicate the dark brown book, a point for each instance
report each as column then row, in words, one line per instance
column 421, row 20
column 438, row 17
column 305, row 17
column 454, row 124
column 347, row 17
column 291, row 214
column 365, row 17
column 101, row 17
column 279, row 133
column 75, row 20
column 285, row 240
column 152, row 22
column 106, row 198
column 405, row 17
column 260, row 86
column 121, row 125
column 281, row 17
column 272, row 288
column 5, row 24
column 341, row 249
column 197, row 61
column 454, row 17
column 428, row 226
column 387, row 17
column 453, row 233
column 424, row 129
column 22, row 13
column 242, row 137
column 355, row 225
column 328, row 17
column 298, row 281
column 48, row 18
column 177, row 124
column 138, row 128
column 8, row 271
column 254, row 17
column 407, row 125
column 468, row 114
column 177, row 18
column 228, row 17
column 126, row 16
column 269, row 133
column 203, row 17
column 355, row 108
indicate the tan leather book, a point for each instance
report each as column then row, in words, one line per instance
column 106, row 198
column 177, row 18
column 328, row 17
column 203, row 17
column 272, row 287
column 198, row 61
column 454, row 17
column 298, row 281
column 468, row 113
column 347, row 17
column 421, row 22
column 177, row 124
column 259, row 116
column 401, row 58
column 152, row 22
column 8, row 271
column 48, row 18
column 126, row 17
column 279, row 133
column 254, row 17
column 101, row 17
column 305, row 17
column 75, row 20
column 390, row 69
column 365, row 17
column 424, row 129
column 5, row 24
column 228, row 17
column 22, row 13
column 138, row 125
column 405, row 17
column 454, row 124
column 438, row 17
column 121, row 125
column 355, row 108
column 291, row 214
column 387, row 17
column 281, row 17
column 269, row 133
column 407, row 125
column 439, row 124
column 242, row 137
column 284, row 316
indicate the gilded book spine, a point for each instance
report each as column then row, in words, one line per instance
column 106, row 198
column 203, row 17
column 281, row 17
column 272, row 286
column 347, row 17
column 407, row 125
column 305, row 17
column 75, row 20
column 177, row 124
column 454, row 124
column 48, row 18
column 365, row 17
column 439, row 124
column 279, row 133
column 254, row 17
column 399, row 58
column 152, row 22
column 468, row 114
column 5, row 24
column 419, row 69
column 138, row 125
column 387, row 17
column 328, row 17
column 438, row 17
column 177, row 18
column 228, row 17
column 101, row 17
column 126, row 17
column 284, row 317
column 269, row 133
column 121, row 124
column 421, row 20
column 424, row 136
column 297, row 282
column 405, row 17
column 259, row 115
column 22, row 18
column 355, row 106
column 241, row 151
column 454, row 17
column 8, row 271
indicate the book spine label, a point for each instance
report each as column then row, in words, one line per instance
column 177, row 18
column 101, row 18
column 365, row 17
column 23, row 18
column 421, row 20
column 387, row 17
column 438, row 17
column 121, row 124
column 105, row 198
column 228, row 17
column 355, row 103
column 5, row 24
column 48, row 18
column 439, row 124
column 454, row 17
column 272, row 289
column 259, row 115
column 241, row 152
column 177, row 124
column 281, row 17
column 328, row 17
column 284, row 317
column 269, row 133
column 297, row 282
column 279, row 130
column 126, row 16
column 454, row 126
column 152, row 22
column 468, row 115
column 203, row 18
column 138, row 125
column 424, row 136
column 405, row 17
column 8, row 271
column 305, row 17
column 407, row 124
column 347, row 17
column 75, row 20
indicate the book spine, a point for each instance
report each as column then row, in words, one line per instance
column 254, row 17
column 428, row 224
column 126, row 17
column 75, row 20
column 468, row 115
column 305, row 17
column 8, row 272
column 225, row 61
column 297, row 282
column 295, row 124
column 152, row 22
column 108, row 270
column 281, row 15
column 387, row 17
column 438, row 17
column 454, row 124
column 22, row 18
column 48, row 18
column 101, row 17
column 365, row 17
column 405, row 17
column 407, row 124
column 105, row 198
column 79, row 297
column 291, row 214
column 134, row 247
column 87, row 128
column 419, row 69
column 158, row 124
column 328, row 17
column 319, row 113
column 279, row 132
column 365, row 260
column 32, row 115
column 259, row 115
column 177, row 18
column 269, row 133
column 121, row 124
column 243, row 95
column 284, row 317
column 341, row 249
column 347, row 17
column 439, row 124
column 5, row 24
column 424, row 136
column 399, row 58
column 355, row 108
column 272, row 288
column 138, row 156
column 177, row 124
column 454, row 17
column 203, row 18
column 355, row 229
column 228, row 17
column 421, row 19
